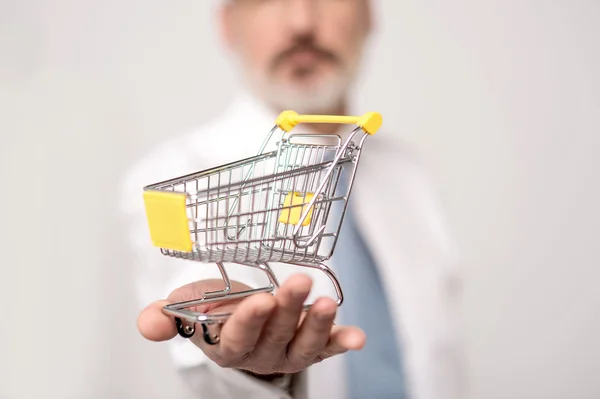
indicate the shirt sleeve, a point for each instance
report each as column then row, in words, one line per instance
column 155, row 276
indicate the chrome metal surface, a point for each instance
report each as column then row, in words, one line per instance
column 237, row 213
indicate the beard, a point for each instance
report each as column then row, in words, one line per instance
column 318, row 96
column 329, row 93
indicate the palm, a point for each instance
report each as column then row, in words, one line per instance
column 266, row 333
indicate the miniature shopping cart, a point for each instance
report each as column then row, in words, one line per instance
column 272, row 207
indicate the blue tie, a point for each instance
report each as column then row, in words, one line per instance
column 375, row 372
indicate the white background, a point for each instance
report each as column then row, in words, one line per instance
column 502, row 97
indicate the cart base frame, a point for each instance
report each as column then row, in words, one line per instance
column 180, row 310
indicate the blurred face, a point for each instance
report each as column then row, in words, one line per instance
column 297, row 54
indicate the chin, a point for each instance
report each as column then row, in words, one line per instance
column 309, row 103
column 310, row 97
column 303, row 94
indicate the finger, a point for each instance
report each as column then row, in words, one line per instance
column 341, row 340
column 283, row 323
column 243, row 328
column 154, row 325
column 197, row 289
column 313, row 335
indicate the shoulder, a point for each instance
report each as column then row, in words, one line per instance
column 400, row 182
column 391, row 160
column 183, row 153
column 232, row 134
column 398, row 177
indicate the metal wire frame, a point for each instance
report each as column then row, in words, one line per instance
column 230, row 198
column 179, row 312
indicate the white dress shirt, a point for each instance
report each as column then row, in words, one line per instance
column 404, row 229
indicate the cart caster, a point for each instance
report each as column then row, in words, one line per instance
column 208, row 338
column 184, row 331
column 189, row 331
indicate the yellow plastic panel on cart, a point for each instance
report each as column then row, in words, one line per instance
column 292, row 212
column 167, row 220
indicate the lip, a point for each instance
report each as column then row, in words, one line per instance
column 304, row 57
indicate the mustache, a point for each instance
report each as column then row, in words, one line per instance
column 303, row 46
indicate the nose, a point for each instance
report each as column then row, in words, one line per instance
column 301, row 16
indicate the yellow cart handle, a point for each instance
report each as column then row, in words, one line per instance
column 369, row 122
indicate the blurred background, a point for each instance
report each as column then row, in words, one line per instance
column 501, row 97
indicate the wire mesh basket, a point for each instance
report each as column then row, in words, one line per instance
column 273, row 207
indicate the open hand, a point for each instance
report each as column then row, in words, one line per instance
column 266, row 334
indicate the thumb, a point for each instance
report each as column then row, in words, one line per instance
column 154, row 325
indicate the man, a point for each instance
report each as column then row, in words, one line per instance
column 303, row 55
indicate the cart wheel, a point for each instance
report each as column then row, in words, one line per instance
column 184, row 331
column 211, row 340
